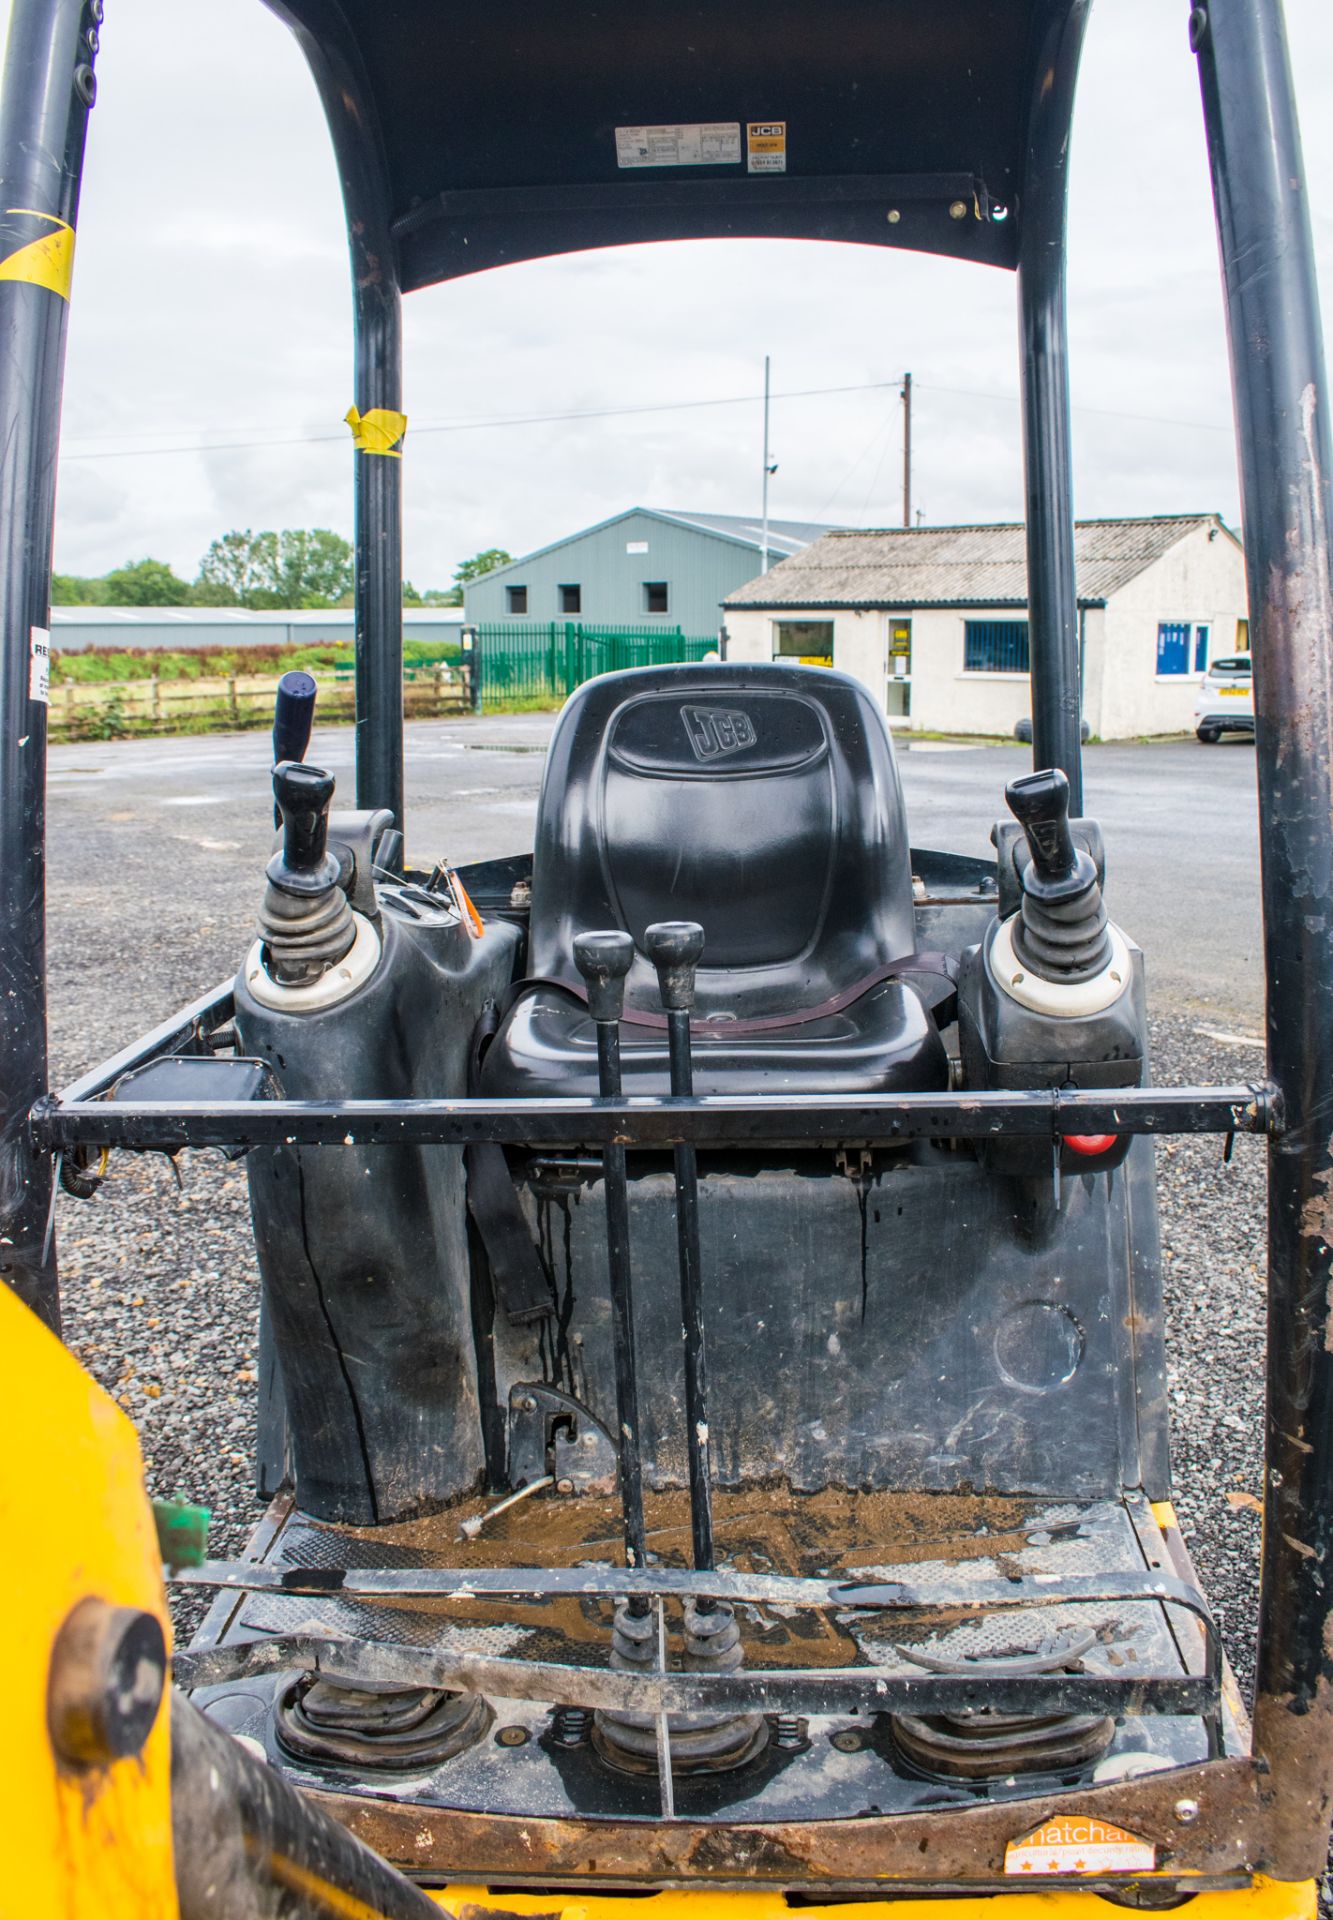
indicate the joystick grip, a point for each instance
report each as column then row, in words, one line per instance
column 675, row 948
column 1040, row 804
column 293, row 715
column 304, row 795
column 604, row 959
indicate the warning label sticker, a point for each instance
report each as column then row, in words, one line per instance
column 1075, row 1844
column 39, row 666
column 712, row 143
column 766, row 146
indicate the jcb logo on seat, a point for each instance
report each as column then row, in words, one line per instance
column 715, row 731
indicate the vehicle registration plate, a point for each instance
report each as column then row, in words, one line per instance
column 1233, row 693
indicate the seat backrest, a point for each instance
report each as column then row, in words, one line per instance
column 762, row 801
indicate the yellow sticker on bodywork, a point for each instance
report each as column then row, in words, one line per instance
column 378, row 430
column 1072, row 1843
column 47, row 261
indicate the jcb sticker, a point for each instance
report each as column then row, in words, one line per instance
column 766, row 146
column 1077, row 1845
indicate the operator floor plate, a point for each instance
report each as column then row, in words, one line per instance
column 944, row 1539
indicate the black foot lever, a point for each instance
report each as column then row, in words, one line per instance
column 675, row 947
column 604, row 959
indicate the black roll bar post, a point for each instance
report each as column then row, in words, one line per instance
column 1057, row 702
column 48, row 88
column 377, row 384
column 1284, row 443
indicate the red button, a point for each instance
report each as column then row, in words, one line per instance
column 1091, row 1144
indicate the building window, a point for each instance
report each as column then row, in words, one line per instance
column 995, row 646
column 807, row 640
column 571, row 599
column 656, row 597
column 1242, row 636
column 1201, row 649
column 517, row 599
column 1173, row 647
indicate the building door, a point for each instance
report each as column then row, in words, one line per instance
column 898, row 689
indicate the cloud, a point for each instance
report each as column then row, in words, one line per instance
column 212, row 305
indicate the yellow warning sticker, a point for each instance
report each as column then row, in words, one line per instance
column 1074, row 1844
column 766, row 146
column 378, row 430
column 47, row 261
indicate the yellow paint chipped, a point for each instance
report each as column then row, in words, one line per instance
column 45, row 262
column 378, row 430
column 1165, row 1515
column 1264, row 1900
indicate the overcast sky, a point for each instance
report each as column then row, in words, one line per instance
column 211, row 307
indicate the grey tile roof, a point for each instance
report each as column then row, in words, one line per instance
column 784, row 536
column 982, row 566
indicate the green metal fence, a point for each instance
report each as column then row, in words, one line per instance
column 538, row 663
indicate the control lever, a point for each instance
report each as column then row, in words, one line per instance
column 604, row 959
column 306, row 921
column 293, row 719
column 1061, row 933
column 675, row 947
column 303, row 864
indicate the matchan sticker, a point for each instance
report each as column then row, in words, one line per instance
column 39, row 665
column 1074, row 1844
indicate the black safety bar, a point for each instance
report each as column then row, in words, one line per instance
column 643, row 1121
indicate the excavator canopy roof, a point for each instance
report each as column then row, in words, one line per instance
column 509, row 132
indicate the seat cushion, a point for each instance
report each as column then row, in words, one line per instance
column 884, row 1042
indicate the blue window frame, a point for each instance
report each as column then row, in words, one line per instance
column 995, row 646
column 1173, row 646
column 1201, row 649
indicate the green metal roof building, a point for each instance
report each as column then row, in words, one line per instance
column 642, row 566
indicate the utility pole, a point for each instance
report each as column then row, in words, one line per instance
column 907, row 449
column 767, row 469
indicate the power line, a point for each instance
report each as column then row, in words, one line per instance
column 495, row 422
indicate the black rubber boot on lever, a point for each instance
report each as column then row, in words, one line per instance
column 1061, row 931
column 305, row 921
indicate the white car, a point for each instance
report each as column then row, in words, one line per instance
column 1225, row 700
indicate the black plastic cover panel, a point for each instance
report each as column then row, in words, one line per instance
column 508, row 133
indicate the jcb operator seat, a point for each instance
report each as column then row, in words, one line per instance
column 763, row 802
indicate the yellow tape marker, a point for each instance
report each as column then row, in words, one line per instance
column 377, row 431
column 1165, row 1515
column 48, row 262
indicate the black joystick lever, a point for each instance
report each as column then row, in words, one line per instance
column 304, row 796
column 306, row 922
column 293, row 718
column 604, row 959
column 675, row 948
column 1061, row 933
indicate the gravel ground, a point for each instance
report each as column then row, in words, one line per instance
column 161, row 1295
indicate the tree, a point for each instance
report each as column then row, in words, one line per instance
column 236, row 570
column 145, row 583
column 74, row 590
column 299, row 567
column 469, row 570
column 312, row 568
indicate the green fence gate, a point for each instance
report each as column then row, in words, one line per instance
column 534, row 664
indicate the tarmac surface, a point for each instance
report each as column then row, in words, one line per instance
column 156, row 858
column 172, row 835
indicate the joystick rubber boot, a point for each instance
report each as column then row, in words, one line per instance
column 1061, row 934
column 305, row 921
